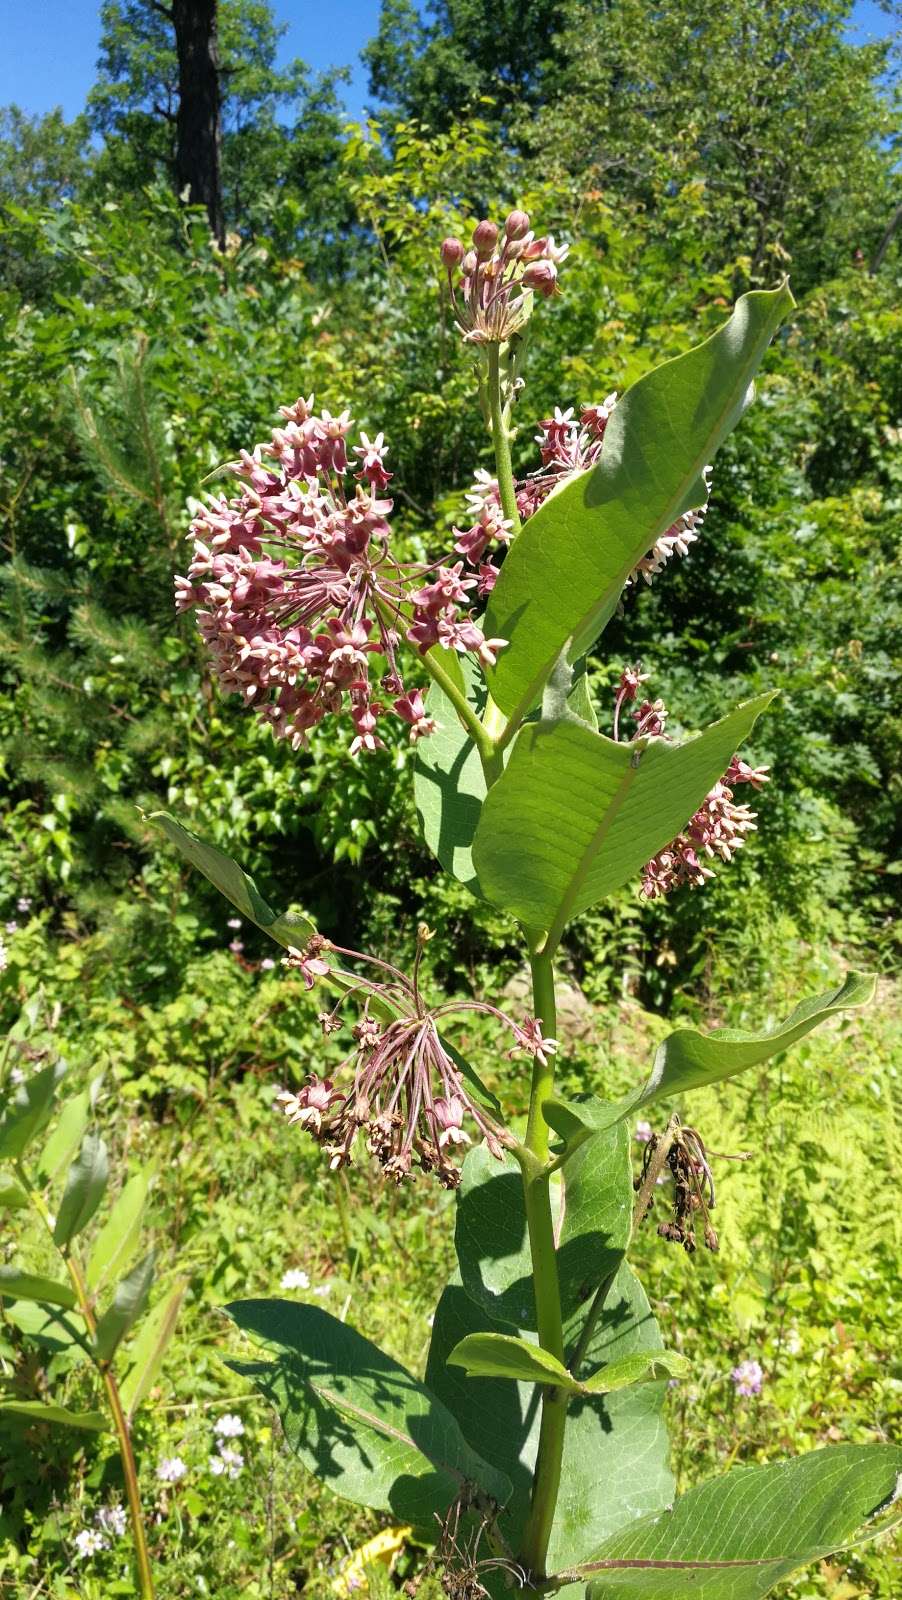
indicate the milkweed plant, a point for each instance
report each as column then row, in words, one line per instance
column 533, row 1453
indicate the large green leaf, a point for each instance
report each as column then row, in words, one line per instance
column 449, row 784
column 18, row 1285
column 562, row 577
column 735, row 1537
column 127, row 1306
column 689, row 1058
column 148, row 1347
column 576, row 815
column 85, row 1186
column 288, row 928
column 593, row 1203
column 615, row 1456
column 117, row 1238
column 27, row 1110
column 357, row 1419
column 37, row 1411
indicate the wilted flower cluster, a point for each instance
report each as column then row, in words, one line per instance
column 498, row 277
column 297, row 590
column 568, row 444
column 399, row 1090
column 719, row 826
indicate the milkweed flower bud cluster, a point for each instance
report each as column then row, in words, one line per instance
column 398, row 1092
column 493, row 283
column 568, row 444
column 719, row 827
column 297, row 590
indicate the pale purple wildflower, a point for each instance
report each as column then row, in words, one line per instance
column 23, row 904
column 4, row 957
column 748, row 1378
column 234, row 923
column 171, row 1469
column 228, row 1426
column 112, row 1520
column 12, row 926
column 643, row 1132
column 267, row 964
column 228, row 1463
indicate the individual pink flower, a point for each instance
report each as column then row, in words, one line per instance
column 530, row 1040
column 309, row 961
column 643, row 1132
column 412, row 708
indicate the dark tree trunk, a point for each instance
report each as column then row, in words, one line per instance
column 199, row 120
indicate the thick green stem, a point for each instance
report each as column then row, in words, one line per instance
column 114, row 1399
column 537, row 1194
column 501, row 439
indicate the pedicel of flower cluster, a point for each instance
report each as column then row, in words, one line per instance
column 748, row 1378
column 398, row 1091
column 568, row 444
column 719, row 827
column 493, row 283
column 297, row 591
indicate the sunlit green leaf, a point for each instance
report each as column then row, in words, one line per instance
column 27, row 1110
column 18, row 1285
column 287, row 928
column 148, row 1347
column 85, row 1186
column 564, row 573
column 127, row 1305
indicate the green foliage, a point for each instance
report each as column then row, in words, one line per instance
column 735, row 1538
column 565, row 575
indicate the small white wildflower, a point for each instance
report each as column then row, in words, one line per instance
column 23, row 904
column 643, row 1132
column 234, row 922
column 4, row 957
column 295, row 1278
column 228, row 1426
column 112, row 1519
column 16, row 1075
column 171, row 1469
column 89, row 1543
column 228, row 1461
column 267, row 964
column 322, row 1288
column 12, row 927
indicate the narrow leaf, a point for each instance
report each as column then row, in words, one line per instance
column 68, row 1133
column 576, row 815
column 119, row 1235
column 287, row 928
column 643, row 1367
column 503, row 1355
column 689, row 1058
column 27, row 1110
column 127, row 1306
column 18, row 1285
column 36, row 1411
column 565, row 572
column 149, row 1346
column 85, row 1186
column 736, row 1536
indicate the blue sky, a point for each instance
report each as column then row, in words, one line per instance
column 50, row 46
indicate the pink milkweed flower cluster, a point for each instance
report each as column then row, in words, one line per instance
column 298, row 593
column 719, row 827
column 500, row 274
column 568, row 444
column 399, row 1091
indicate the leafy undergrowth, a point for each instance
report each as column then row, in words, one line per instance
column 805, row 1284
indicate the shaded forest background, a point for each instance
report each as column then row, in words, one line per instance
column 210, row 239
